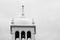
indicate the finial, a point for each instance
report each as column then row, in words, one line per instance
column 22, row 10
column 33, row 21
column 12, row 21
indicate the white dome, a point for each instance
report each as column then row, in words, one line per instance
column 22, row 21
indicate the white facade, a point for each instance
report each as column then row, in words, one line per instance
column 23, row 25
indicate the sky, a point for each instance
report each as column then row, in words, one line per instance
column 45, row 12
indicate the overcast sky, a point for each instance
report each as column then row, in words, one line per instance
column 45, row 12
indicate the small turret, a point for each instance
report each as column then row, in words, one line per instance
column 33, row 21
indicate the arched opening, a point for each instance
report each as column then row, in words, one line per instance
column 28, row 34
column 22, row 34
column 16, row 35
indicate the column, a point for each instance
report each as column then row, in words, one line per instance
column 25, row 36
column 19, row 36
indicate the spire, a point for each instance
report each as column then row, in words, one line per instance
column 22, row 8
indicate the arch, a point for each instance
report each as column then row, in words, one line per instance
column 16, row 34
column 22, row 34
column 28, row 34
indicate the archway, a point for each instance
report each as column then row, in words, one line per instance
column 28, row 34
column 22, row 34
column 16, row 34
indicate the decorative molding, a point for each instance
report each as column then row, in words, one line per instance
column 33, row 26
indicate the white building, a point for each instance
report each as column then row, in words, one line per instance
column 23, row 28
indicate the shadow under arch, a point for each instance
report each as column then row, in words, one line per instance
column 28, row 34
column 22, row 34
column 16, row 34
